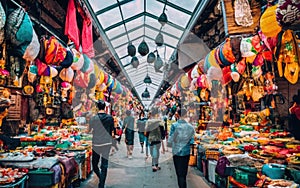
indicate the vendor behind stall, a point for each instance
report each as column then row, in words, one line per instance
column 294, row 119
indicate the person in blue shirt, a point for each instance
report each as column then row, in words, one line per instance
column 181, row 137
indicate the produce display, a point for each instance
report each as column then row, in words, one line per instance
column 9, row 175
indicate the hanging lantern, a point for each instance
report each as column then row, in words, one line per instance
column 151, row 57
column 147, row 79
column 158, row 63
column 163, row 19
column 135, row 62
column 143, row 48
column 159, row 39
column 146, row 93
column 131, row 49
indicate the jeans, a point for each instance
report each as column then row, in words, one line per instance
column 181, row 167
column 102, row 153
column 154, row 152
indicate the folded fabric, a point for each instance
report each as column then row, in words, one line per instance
column 55, row 53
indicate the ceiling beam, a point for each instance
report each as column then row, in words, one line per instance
column 111, row 7
column 125, row 21
column 170, row 23
column 140, row 15
column 141, row 26
column 199, row 10
column 176, row 7
column 137, row 39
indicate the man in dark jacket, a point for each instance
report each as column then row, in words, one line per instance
column 102, row 126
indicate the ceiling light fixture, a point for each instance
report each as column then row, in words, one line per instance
column 131, row 50
column 159, row 39
column 146, row 93
column 143, row 48
column 151, row 57
column 135, row 62
column 163, row 19
column 158, row 63
column 147, row 79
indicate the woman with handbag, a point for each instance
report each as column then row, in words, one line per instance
column 154, row 135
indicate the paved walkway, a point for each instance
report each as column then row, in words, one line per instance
column 137, row 172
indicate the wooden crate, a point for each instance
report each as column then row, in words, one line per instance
column 233, row 28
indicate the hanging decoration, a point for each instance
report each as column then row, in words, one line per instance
column 159, row 39
column 163, row 19
column 135, row 62
column 146, row 93
column 147, row 79
column 158, row 63
column 143, row 48
column 131, row 49
column 151, row 57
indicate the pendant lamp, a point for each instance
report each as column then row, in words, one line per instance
column 158, row 63
column 151, row 57
column 163, row 19
column 143, row 48
column 146, row 93
column 135, row 62
column 147, row 79
column 159, row 40
column 131, row 49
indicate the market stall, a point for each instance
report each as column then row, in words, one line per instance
column 239, row 96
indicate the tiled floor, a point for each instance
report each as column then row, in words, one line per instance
column 137, row 172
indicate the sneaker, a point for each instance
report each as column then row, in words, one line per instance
column 129, row 157
column 142, row 151
column 154, row 169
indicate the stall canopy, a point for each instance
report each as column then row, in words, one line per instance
column 123, row 21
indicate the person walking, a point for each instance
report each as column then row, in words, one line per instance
column 154, row 134
column 128, row 127
column 141, row 124
column 102, row 127
column 181, row 137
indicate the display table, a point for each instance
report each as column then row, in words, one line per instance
column 21, row 183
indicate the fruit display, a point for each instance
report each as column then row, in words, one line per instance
column 9, row 175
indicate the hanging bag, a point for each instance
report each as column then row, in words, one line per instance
column 19, row 30
column 242, row 13
column 288, row 12
column 2, row 23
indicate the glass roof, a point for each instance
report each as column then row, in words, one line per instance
column 124, row 21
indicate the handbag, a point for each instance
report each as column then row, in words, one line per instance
column 288, row 12
column 242, row 13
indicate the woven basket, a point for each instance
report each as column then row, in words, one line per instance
column 193, row 160
column 214, row 155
